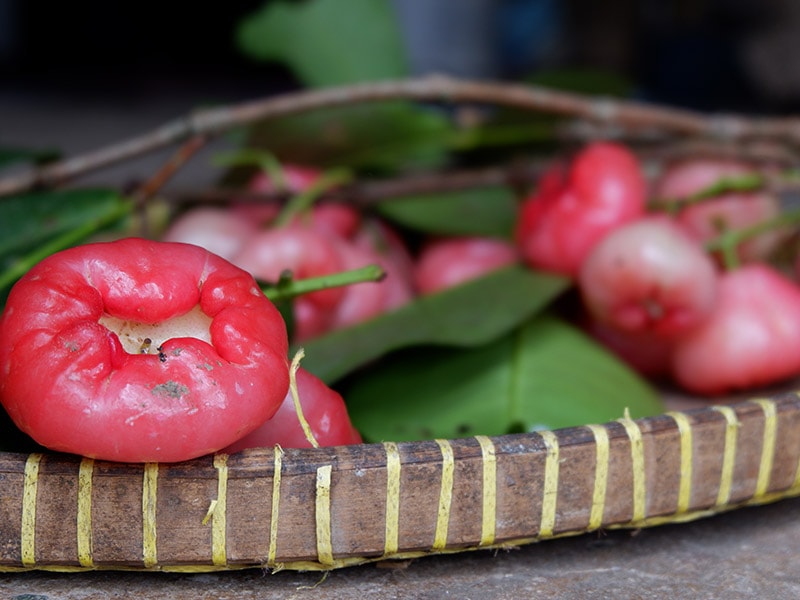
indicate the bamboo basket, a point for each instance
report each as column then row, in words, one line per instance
column 325, row 508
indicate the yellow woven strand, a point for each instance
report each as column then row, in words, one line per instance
column 600, row 476
column 276, row 503
column 445, row 495
column 323, row 516
column 149, row 499
column 85, row 473
column 728, row 454
column 28, row 528
column 219, row 552
column 392, row 535
column 637, row 463
column 687, row 461
column 489, row 511
column 550, row 496
column 767, row 446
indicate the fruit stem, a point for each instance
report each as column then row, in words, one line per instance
column 727, row 242
column 246, row 157
column 304, row 200
column 298, row 409
column 287, row 287
column 725, row 185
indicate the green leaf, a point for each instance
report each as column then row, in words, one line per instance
column 546, row 374
column 471, row 314
column 26, row 221
column 584, row 81
column 489, row 211
column 327, row 42
column 36, row 225
column 10, row 156
column 385, row 137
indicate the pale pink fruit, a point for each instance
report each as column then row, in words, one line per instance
column 448, row 262
column 751, row 339
column 649, row 276
column 218, row 230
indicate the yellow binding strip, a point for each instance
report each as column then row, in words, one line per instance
column 687, row 461
column 600, row 476
column 637, row 468
column 85, row 473
column 550, row 495
column 728, row 454
column 391, row 538
column 445, row 495
column 767, row 446
column 149, row 501
column 219, row 552
column 323, row 516
column 276, row 503
column 489, row 511
column 28, row 528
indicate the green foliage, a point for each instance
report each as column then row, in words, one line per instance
column 488, row 211
column 327, row 42
column 9, row 156
column 545, row 374
column 471, row 314
column 382, row 137
column 37, row 224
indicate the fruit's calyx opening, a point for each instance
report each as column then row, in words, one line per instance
column 147, row 338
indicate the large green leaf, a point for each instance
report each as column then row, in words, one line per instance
column 327, row 42
column 546, row 374
column 471, row 314
column 489, row 211
column 36, row 225
column 386, row 137
column 9, row 155
column 26, row 221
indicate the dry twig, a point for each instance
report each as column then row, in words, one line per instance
column 211, row 122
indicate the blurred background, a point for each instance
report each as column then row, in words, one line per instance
column 79, row 75
column 708, row 54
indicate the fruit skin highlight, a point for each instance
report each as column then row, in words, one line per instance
column 752, row 337
column 140, row 351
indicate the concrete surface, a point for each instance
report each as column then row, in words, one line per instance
column 749, row 553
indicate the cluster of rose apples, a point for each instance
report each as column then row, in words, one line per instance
column 143, row 350
column 655, row 287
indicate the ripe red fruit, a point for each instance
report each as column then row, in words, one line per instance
column 730, row 211
column 560, row 223
column 645, row 352
column 751, row 339
column 447, row 262
column 649, row 276
column 140, row 351
column 324, row 411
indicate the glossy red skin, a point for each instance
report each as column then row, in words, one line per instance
column 649, row 276
column 562, row 221
column 69, row 384
column 725, row 212
column 324, row 410
column 448, row 262
column 751, row 339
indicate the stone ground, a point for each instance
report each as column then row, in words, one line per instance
column 749, row 553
